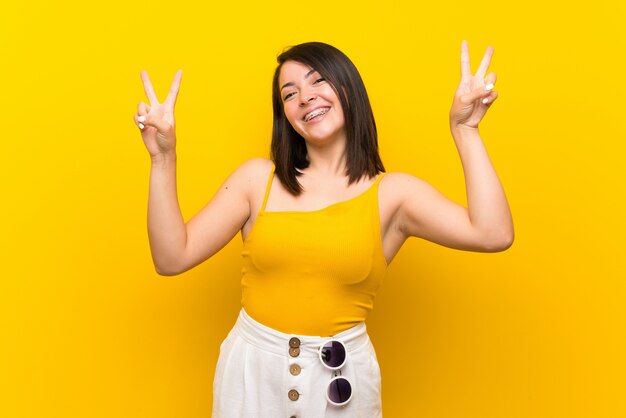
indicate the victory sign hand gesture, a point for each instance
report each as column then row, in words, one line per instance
column 475, row 93
column 156, row 121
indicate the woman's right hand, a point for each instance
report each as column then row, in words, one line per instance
column 156, row 121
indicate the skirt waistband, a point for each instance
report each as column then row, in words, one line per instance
column 269, row 339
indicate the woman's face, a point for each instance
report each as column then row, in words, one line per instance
column 310, row 103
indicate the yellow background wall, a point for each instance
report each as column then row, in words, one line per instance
column 88, row 329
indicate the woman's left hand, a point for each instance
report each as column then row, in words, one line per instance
column 468, row 108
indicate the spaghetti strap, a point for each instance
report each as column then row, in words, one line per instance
column 267, row 189
column 375, row 185
column 380, row 176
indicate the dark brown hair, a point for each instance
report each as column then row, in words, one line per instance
column 288, row 150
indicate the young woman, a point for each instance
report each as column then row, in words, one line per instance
column 321, row 221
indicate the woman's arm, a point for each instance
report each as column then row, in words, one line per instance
column 488, row 209
column 486, row 224
column 176, row 246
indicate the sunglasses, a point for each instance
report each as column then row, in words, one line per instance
column 333, row 355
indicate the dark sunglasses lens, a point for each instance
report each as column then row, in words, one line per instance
column 339, row 390
column 333, row 354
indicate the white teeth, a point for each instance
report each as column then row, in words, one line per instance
column 315, row 113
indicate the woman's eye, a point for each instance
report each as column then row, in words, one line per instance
column 319, row 80
column 288, row 96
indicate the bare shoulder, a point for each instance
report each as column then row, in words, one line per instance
column 254, row 167
column 397, row 186
column 409, row 204
column 251, row 174
column 399, row 180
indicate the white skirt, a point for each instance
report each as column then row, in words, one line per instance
column 257, row 377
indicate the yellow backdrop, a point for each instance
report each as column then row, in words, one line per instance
column 88, row 329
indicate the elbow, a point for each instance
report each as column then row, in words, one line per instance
column 168, row 271
column 499, row 242
column 172, row 265
column 504, row 244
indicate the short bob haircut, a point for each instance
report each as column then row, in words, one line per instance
column 288, row 149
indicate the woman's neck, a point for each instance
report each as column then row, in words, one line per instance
column 328, row 160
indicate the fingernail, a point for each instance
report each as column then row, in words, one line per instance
column 141, row 118
column 489, row 86
column 485, row 100
column 141, row 126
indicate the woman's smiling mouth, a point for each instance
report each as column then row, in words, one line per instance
column 315, row 113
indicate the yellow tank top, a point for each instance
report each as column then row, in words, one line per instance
column 314, row 272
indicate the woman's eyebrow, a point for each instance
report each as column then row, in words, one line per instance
column 292, row 84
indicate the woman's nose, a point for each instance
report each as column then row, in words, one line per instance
column 306, row 97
